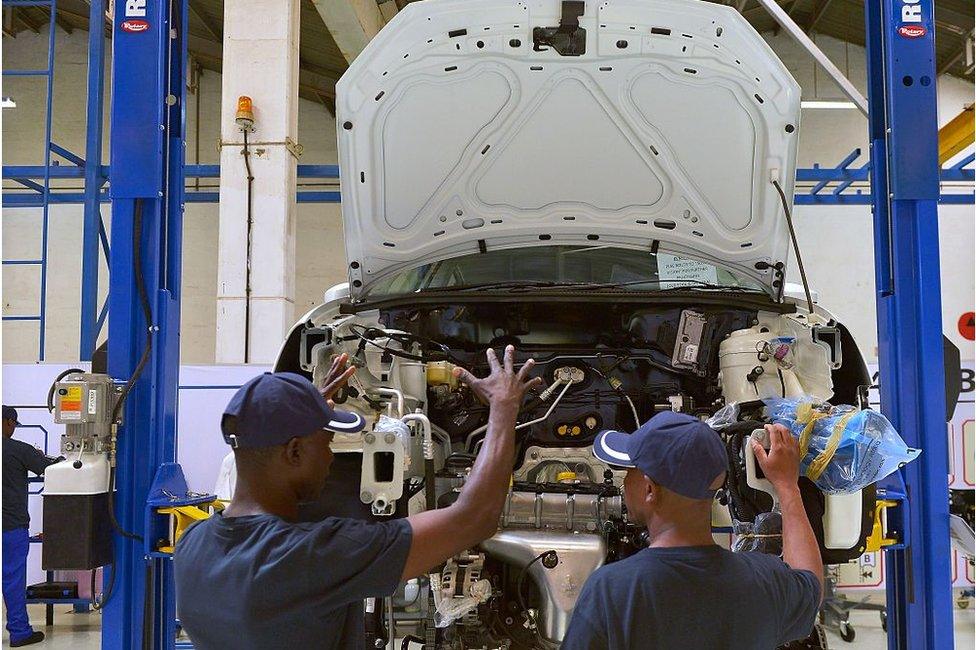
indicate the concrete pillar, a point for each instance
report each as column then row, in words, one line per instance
column 260, row 60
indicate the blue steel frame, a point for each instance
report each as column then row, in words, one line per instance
column 42, row 191
column 821, row 176
column 904, row 153
column 147, row 138
column 94, row 174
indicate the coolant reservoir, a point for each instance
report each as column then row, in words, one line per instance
column 751, row 369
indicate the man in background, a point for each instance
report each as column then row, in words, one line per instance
column 18, row 459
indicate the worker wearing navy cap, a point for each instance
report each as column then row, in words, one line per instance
column 685, row 591
column 254, row 577
column 18, row 459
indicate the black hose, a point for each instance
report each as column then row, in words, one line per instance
column 50, row 392
column 247, row 254
column 146, row 309
column 410, row 638
column 429, row 487
column 111, row 510
column 140, row 280
column 796, row 246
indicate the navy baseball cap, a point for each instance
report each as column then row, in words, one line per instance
column 273, row 408
column 10, row 413
column 675, row 450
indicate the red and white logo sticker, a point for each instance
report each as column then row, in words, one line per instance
column 912, row 31
column 135, row 25
column 967, row 326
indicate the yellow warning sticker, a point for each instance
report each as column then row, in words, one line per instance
column 72, row 400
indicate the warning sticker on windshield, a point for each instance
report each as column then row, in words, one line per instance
column 674, row 271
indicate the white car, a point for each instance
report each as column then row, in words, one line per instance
column 598, row 183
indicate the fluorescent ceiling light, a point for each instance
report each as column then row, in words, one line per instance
column 7, row 102
column 825, row 103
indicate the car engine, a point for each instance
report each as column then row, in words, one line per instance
column 604, row 366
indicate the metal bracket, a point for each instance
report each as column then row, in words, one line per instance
column 568, row 39
column 294, row 148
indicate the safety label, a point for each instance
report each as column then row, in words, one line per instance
column 71, row 403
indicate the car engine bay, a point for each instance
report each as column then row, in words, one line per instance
column 604, row 365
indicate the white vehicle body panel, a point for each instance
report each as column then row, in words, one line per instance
column 451, row 142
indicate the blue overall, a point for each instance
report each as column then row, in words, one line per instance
column 15, row 547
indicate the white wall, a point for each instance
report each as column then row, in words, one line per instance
column 841, row 270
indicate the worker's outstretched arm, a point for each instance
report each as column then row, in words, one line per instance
column 440, row 534
column 782, row 467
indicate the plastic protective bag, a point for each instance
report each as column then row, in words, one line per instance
column 449, row 608
column 728, row 414
column 765, row 535
column 843, row 449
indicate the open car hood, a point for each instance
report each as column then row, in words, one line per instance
column 464, row 127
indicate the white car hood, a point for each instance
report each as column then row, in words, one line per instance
column 456, row 136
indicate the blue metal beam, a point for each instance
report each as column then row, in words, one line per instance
column 45, row 209
column 822, row 176
column 842, row 167
column 14, row 172
column 92, row 228
column 26, row 200
column 26, row 73
column 904, row 152
column 31, row 185
column 71, row 157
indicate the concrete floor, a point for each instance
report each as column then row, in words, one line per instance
column 83, row 631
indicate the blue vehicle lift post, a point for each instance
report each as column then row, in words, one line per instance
column 92, row 223
column 905, row 187
column 147, row 154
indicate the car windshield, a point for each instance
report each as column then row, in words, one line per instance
column 591, row 267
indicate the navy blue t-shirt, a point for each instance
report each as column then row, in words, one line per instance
column 18, row 459
column 702, row 597
column 263, row 583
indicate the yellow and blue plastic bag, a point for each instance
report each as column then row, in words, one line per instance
column 843, row 449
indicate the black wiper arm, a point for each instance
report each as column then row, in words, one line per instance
column 518, row 285
column 691, row 284
column 508, row 284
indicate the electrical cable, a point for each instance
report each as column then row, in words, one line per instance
column 50, row 392
column 521, row 579
column 796, row 246
column 364, row 338
column 633, row 409
column 617, row 389
column 247, row 254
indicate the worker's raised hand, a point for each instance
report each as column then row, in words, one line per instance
column 781, row 464
column 504, row 387
column 339, row 374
